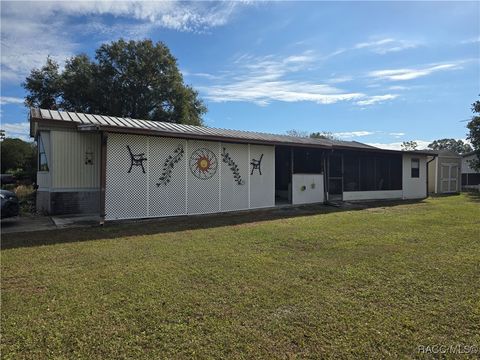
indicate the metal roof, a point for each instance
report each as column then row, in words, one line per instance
column 86, row 122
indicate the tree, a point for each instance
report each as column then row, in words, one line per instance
column 457, row 146
column 474, row 134
column 314, row 135
column 297, row 133
column 18, row 156
column 44, row 86
column 137, row 79
column 409, row 145
column 323, row 135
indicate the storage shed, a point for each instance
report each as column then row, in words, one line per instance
column 127, row 168
column 444, row 175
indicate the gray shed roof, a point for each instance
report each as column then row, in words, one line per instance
column 471, row 153
column 86, row 122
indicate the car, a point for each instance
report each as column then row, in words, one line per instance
column 10, row 206
column 7, row 179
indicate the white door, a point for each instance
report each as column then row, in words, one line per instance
column 449, row 178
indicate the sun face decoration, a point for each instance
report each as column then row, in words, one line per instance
column 203, row 164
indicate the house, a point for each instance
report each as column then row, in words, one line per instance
column 443, row 171
column 470, row 177
column 126, row 168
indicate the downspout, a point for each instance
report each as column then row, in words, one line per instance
column 428, row 162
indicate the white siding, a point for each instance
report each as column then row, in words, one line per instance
column 231, row 186
column 203, row 195
column 68, row 161
column 262, row 187
column 165, row 196
column 309, row 194
column 414, row 188
column 126, row 194
column 234, row 187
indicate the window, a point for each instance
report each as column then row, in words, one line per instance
column 367, row 173
column 372, row 172
column 307, row 161
column 351, row 173
column 42, row 156
column 415, row 168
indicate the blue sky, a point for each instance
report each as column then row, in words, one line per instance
column 375, row 72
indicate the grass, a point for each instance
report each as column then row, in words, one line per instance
column 377, row 282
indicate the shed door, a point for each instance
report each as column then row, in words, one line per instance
column 449, row 178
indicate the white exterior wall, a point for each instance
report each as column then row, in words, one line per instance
column 466, row 168
column 262, row 187
column 372, row 195
column 414, row 188
column 176, row 187
column 70, row 169
column 311, row 194
column 66, row 153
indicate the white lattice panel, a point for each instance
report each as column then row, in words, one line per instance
column 185, row 177
column 262, row 187
column 167, row 183
column 126, row 194
column 234, row 177
column 203, row 176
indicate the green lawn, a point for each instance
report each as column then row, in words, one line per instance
column 377, row 282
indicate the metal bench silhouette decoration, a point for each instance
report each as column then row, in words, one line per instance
column 136, row 160
column 256, row 165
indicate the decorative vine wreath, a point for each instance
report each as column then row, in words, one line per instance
column 203, row 164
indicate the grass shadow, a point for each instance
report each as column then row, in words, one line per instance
column 116, row 229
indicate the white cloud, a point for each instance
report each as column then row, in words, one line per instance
column 397, row 134
column 27, row 43
column 184, row 16
column 471, row 40
column 398, row 87
column 264, row 79
column 201, row 75
column 411, row 73
column 422, row 144
column 17, row 130
column 386, row 45
column 261, row 80
column 340, row 79
column 351, row 134
column 263, row 92
column 31, row 31
column 6, row 100
column 371, row 100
